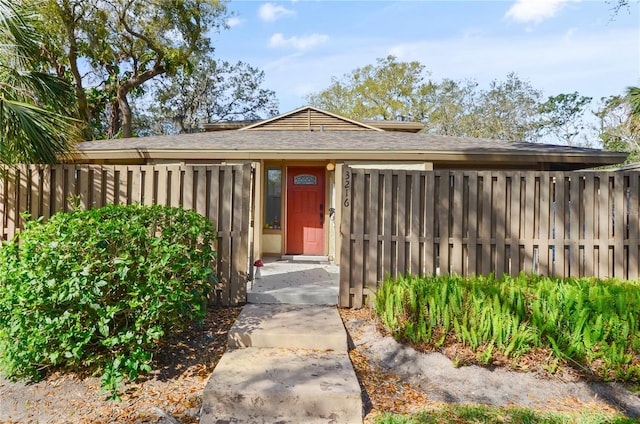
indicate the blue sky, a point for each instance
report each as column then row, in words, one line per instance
column 559, row 46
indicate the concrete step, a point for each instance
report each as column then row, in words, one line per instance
column 289, row 326
column 311, row 295
column 271, row 385
column 300, row 295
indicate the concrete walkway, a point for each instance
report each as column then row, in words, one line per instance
column 301, row 280
column 286, row 363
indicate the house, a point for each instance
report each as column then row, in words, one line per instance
column 299, row 156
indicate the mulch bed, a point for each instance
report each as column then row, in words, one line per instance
column 184, row 364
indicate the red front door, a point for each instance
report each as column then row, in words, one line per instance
column 305, row 210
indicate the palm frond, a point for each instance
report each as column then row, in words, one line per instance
column 31, row 134
column 38, row 88
column 18, row 41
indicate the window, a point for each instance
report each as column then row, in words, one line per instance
column 273, row 201
column 304, row 180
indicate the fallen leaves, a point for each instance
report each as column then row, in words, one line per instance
column 183, row 365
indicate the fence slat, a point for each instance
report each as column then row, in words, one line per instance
column 443, row 222
column 603, row 226
column 456, row 215
column 529, row 224
column 429, row 225
column 35, row 199
column 148, row 175
column 500, row 216
column 486, row 222
column 400, row 222
column 23, row 189
column 545, row 215
column 559, row 217
column 372, row 230
column 633, row 222
column 574, row 225
column 472, row 225
column 387, row 224
column 414, row 225
column 515, row 224
column 12, row 204
column 357, row 274
column 589, row 224
column 619, row 228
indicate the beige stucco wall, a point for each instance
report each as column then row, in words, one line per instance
column 407, row 166
column 271, row 243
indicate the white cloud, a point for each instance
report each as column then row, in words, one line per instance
column 534, row 11
column 234, row 22
column 297, row 43
column 272, row 12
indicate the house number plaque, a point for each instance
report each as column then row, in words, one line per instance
column 347, row 188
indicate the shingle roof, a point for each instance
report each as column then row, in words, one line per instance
column 328, row 141
column 378, row 146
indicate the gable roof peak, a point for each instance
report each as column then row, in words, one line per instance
column 310, row 118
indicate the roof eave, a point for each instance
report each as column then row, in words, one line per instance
column 600, row 159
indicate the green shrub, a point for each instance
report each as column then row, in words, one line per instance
column 96, row 290
column 590, row 323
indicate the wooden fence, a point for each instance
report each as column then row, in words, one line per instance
column 222, row 193
column 481, row 222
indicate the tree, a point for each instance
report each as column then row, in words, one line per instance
column 618, row 5
column 561, row 116
column 507, row 111
column 633, row 98
column 126, row 43
column 402, row 90
column 212, row 92
column 388, row 90
column 34, row 106
column 451, row 103
column 617, row 129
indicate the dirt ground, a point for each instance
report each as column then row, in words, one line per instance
column 184, row 367
column 395, row 378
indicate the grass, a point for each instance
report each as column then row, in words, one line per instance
column 458, row 414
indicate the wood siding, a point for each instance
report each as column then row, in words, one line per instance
column 310, row 120
column 562, row 224
column 222, row 193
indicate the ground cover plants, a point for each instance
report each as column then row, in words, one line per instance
column 97, row 290
column 588, row 324
column 492, row 414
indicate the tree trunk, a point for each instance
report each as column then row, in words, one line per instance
column 125, row 111
column 69, row 19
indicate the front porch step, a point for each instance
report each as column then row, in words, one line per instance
column 271, row 385
column 289, row 326
column 301, row 294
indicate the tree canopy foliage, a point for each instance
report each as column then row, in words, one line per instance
column 387, row 90
column 35, row 126
column 509, row 109
column 213, row 91
column 123, row 44
column 619, row 123
column 404, row 91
